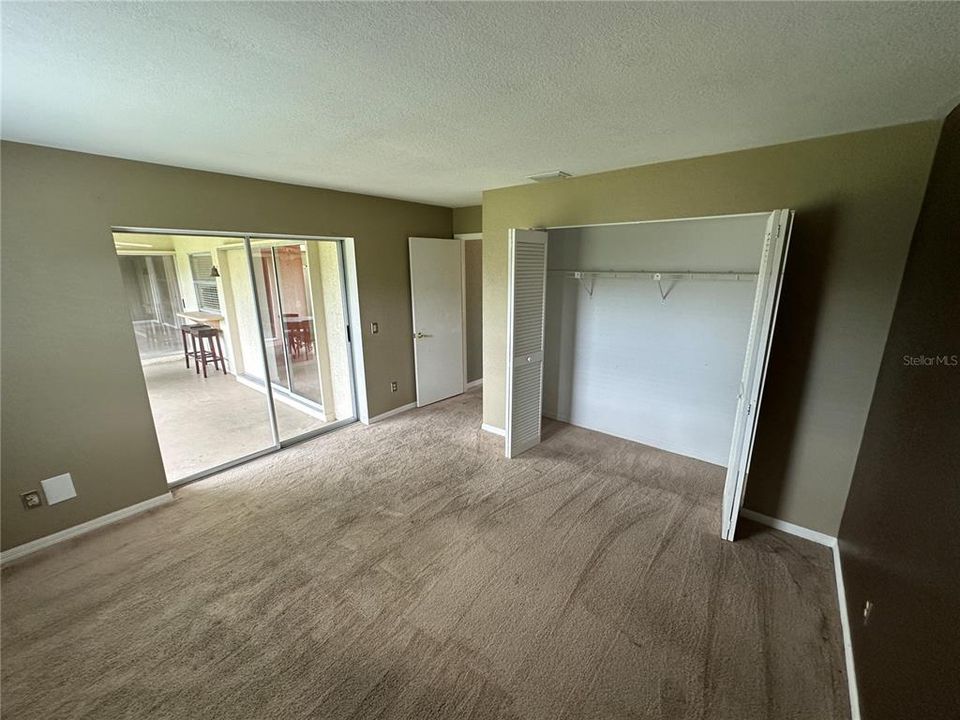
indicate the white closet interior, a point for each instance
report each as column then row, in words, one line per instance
column 658, row 363
column 657, row 332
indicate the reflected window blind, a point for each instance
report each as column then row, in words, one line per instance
column 201, row 264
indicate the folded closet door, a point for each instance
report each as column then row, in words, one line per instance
column 769, row 280
column 526, row 288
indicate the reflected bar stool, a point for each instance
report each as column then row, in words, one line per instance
column 184, row 331
column 207, row 353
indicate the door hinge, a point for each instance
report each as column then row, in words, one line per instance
column 348, row 334
column 749, row 408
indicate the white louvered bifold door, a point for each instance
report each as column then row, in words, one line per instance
column 773, row 261
column 526, row 288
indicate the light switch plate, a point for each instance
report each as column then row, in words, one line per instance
column 59, row 488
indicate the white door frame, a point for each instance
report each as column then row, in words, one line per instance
column 351, row 315
column 460, row 238
column 463, row 237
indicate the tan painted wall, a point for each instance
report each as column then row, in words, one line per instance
column 468, row 219
column 857, row 197
column 74, row 398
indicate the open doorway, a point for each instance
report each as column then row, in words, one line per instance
column 244, row 342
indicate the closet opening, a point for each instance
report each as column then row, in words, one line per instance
column 656, row 332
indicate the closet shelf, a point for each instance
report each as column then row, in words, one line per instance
column 586, row 277
column 657, row 274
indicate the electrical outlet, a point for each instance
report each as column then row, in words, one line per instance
column 393, row 386
column 374, row 328
column 31, row 500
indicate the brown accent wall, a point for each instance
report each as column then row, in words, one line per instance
column 900, row 536
column 74, row 398
column 856, row 197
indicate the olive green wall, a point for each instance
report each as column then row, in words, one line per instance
column 468, row 219
column 856, row 198
column 473, row 277
column 74, row 398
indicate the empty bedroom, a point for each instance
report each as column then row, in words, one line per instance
column 519, row 360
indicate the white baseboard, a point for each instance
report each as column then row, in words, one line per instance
column 847, row 637
column 494, row 429
column 830, row 542
column 798, row 530
column 474, row 383
column 391, row 413
column 15, row 553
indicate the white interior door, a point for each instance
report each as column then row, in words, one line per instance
column 436, row 289
column 526, row 290
column 774, row 258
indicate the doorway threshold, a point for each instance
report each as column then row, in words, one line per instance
column 282, row 395
column 284, row 444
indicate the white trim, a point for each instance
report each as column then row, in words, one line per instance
column 847, row 636
column 355, row 328
column 463, row 238
column 834, row 545
column 798, row 530
column 463, row 311
column 146, row 253
column 33, row 546
column 390, row 413
column 221, row 233
column 475, row 383
column 493, row 429
column 645, row 222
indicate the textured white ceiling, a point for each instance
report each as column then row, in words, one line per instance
column 436, row 102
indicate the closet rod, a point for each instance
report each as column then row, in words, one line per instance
column 586, row 277
column 657, row 274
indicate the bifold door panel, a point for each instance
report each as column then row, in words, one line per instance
column 525, row 312
column 770, row 279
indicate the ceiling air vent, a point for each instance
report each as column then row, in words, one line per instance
column 549, row 176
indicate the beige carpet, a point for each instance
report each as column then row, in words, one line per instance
column 408, row 571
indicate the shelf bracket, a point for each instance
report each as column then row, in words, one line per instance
column 586, row 280
column 663, row 295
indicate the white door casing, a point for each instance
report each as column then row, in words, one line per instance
column 436, row 296
column 769, row 282
column 526, row 297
